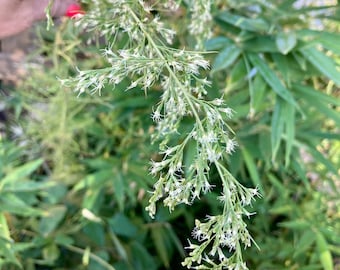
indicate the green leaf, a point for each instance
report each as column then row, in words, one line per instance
column 236, row 76
column 285, row 42
column 290, row 131
column 95, row 232
column 13, row 204
column 249, row 24
column 324, row 252
column 64, row 240
column 225, row 58
column 217, row 43
column 323, row 160
column 281, row 62
column 21, row 172
column 265, row 147
column 158, row 236
column 277, row 127
column 322, row 62
column 122, row 226
column 119, row 247
column 304, row 243
column 27, row 186
column 51, row 253
column 4, row 229
column 52, row 219
column 315, row 94
column 119, row 189
column 270, row 77
column 175, row 239
column 7, row 252
column 260, row 45
column 328, row 40
column 296, row 224
column 141, row 258
column 94, row 180
column 251, row 166
column 258, row 93
column 93, row 199
column 282, row 190
column 319, row 101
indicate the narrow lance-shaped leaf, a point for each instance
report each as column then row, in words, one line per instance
column 322, row 62
column 21, row 172
column 277, row 126
column 324, row 252
column 256, row 24
column 290, row 131
column 158, row 236
column 226, row 58
column 251, row 166
column 271, row 78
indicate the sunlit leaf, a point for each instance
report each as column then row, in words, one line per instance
column 285, row 42
column 324, row 252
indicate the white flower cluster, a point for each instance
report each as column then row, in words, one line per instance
column 147, row 60
column 225, row 230
column 201, row 21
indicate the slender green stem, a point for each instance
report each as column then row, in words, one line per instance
column 92, row 256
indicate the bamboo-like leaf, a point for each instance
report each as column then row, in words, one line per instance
column 52, row 219
column 217, row 43
column 323, row 160
column 7, row 253
column 119, row 189
column 328, row 40
column 175, row 240
column 226, row 58
column 323, row 108
column 277, row 126
column 259, row 87
column 322, row 62
column 255, row 25
column 251, row 166
column 315, row 94
column 324, row 252
column 4, row 229
column 260, row 44
column 27, row 186
column 118, row 245
column 282, row 65
column 13, row 204
column 157, row 234
column 306, row 240
column 237, row 75
column 298, row 224
column 289, row 131
column 21, row 172
column 95, row 179
column 276, row 183
column 271, row 78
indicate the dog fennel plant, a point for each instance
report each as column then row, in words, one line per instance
column 148, row 60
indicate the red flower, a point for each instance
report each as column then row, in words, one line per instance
column 74, row 10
